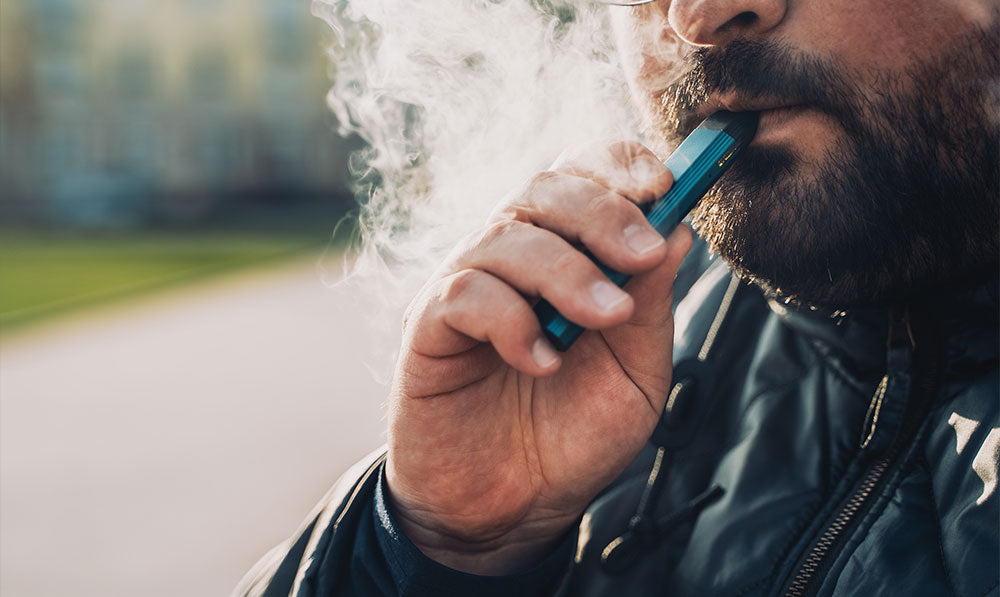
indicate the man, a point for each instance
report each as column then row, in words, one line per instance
column 832, row 429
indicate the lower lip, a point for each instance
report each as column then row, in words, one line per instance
column 778, row 122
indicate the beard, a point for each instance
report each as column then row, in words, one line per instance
column 904, row 201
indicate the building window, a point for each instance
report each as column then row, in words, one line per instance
column 208, row 75
column 133, row 74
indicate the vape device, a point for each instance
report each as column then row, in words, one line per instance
column 696, row 164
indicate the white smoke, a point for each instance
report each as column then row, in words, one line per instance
column 459, row 101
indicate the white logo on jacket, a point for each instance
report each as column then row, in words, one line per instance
column 985, row 463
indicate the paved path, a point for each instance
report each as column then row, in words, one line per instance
column 158, row 448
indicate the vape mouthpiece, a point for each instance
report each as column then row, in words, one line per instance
column 741, row 126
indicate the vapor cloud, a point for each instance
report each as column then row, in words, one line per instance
column 459, row 102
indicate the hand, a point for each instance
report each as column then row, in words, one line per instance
column 497, row 443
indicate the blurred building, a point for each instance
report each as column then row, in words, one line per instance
column 117, row 112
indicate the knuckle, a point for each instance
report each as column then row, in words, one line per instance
column 521, row 204
column 457, row 284
column 408, row 315
column 520, row 212
column 566, row 262
column 538, row 181
column 478, row 241
column 497, row 230
column 626, row 150
column 511, row 323
column 511, row 316
column 420, row 307
column 624, row 147
column 606, row 207
column 461, row 252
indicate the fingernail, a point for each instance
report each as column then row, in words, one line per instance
column 641, row 239
column 543, row 353
column 643, row 170
column 607, row 295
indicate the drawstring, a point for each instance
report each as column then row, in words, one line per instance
column 644, row 531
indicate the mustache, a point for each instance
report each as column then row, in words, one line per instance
column 755, row 69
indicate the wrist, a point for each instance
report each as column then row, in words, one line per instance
column 500, row 551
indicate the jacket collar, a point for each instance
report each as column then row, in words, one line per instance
column 855, row 340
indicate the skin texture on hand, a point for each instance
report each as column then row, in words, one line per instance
column 497, row 443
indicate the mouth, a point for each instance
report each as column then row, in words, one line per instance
column 777, row 117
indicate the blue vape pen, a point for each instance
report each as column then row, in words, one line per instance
column 696, row 164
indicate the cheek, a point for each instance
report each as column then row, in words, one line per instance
column 650, row 52
column 652, row 56
column 869, row 38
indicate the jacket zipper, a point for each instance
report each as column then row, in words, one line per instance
column 817, row 556
column 841, row 523
column 843, row 520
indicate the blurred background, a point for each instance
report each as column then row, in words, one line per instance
column 131, row 112
column 178, row 380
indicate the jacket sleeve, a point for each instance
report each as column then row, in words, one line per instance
column 351, row 545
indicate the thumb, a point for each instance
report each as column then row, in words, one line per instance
column 644, row 344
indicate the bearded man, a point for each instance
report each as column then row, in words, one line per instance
column 831, row 429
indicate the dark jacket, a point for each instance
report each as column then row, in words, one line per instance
column 801, row 452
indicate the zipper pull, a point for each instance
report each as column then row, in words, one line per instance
column 900, row 335
column 871, row 417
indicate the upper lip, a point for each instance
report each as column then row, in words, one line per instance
column 737, row 103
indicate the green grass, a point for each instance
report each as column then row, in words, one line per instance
column 45, row 273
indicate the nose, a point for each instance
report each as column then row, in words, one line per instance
column 716, row 22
